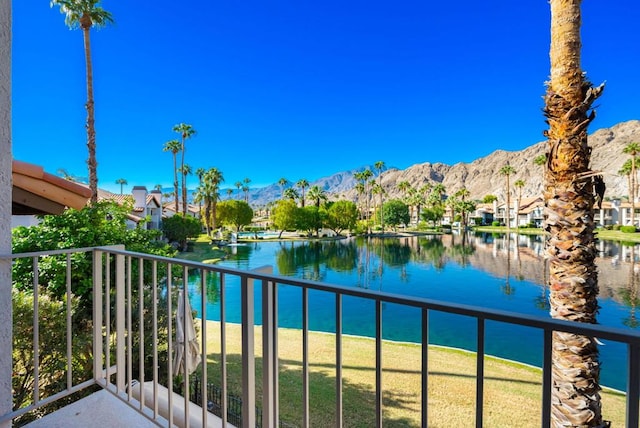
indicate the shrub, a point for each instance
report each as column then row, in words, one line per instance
column 628, row 229
column 495, row 223
column 616, row 227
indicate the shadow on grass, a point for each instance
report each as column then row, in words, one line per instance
column 358, row 399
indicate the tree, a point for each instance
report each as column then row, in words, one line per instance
column 507, row 170
column 519, row 184
column 570, row 243
column 302, row 184
column 283, row 184
column 208, row 192
column 395, row 212
column 285, row 215
column 200, row 173
column 291, row 194
column 633, row 150
column 121, row 182
column 85, row 14
column 363, row 177
column 186, row 131
column 489, row 199
column 179, row 228
column 463, row 206
column 317, row 195
column 625, row 170
column 310, row 219
column 174, row 147
column 246, row 188
column 236, row 213
column 185, row 170
column 342, row 215
column 379, row 166
column 541, row 160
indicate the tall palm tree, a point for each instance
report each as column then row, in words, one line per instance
column 229, row 193
column 185, row 170
column 282, row 183
column 570, row 243
column 158, row 187
column 519, row 185
column 302, row 184
column 211, row 181
column 186, row 131
column 121, row 182
column 174, row 147
column 625, row 170
column 85, row 14
column 633, row 150
column 238, row 185
column 379, row 166
column 200, row 173
column 246, row 188
column 507, row 170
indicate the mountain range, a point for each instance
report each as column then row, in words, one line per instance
column 481, row 177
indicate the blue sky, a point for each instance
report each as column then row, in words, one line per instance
column 301, row 89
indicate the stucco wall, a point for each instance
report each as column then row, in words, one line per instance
column 5, row 207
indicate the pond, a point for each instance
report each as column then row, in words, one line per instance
column 477, row 269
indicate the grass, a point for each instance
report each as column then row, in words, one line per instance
column 512, row 394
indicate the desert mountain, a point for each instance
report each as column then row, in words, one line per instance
column 481, row 177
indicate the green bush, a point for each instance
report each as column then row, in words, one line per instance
column 628, row 229
column 495, row 223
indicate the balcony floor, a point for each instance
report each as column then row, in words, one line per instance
column 101, row 408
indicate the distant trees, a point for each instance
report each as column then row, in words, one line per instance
column 121, row 182
column 507, row 171
column 185, row 131
column 85, row 14
column 174, row 147
column 341, row 216
column 235, row 213
column 302, row 184
column 395, row 212
column 633, row 150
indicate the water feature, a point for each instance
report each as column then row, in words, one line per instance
column 483, row 269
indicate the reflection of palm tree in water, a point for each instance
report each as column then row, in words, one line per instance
column 630, row 295
column 506, row 288
column 542, row 301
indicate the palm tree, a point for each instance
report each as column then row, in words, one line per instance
column 317, row 195
column 507, row 170
column 211, row 181
column 121, row 182
column 200, row 173
column 245, row 188
column 229, row 193
column 186, row 131
column 85, row 14
column 379, row 166
column 185, row 170
column 238, row 185
column 633, row 150
column 282, row 183
column 174, row 147
column 519, row 184
column 570, row 243
column 291, row 193
column 302, row 184
column 625, row 169
column 463, row 207
column 158, row 187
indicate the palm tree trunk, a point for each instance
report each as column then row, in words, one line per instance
column 633, row 190
column 570, row 246
column 175, row 181
column 92, row 162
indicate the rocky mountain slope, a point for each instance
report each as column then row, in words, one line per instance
column 481, row 177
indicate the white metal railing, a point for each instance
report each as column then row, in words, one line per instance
column 127, row 289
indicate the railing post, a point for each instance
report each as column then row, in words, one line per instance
column 633, row 384
column 269, row 357
column 6, row 308
column 97, row 315
column 248, row 355
column 120, row 323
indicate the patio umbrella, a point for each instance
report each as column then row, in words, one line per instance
column 186, row 348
